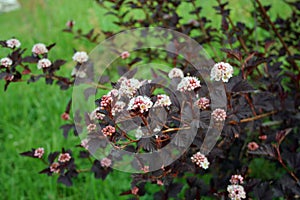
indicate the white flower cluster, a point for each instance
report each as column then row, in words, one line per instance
column 39, row 152
column 219, row 115
column 221, row 71
column 80, row 57
column 188, row 84
column 129, row 87
column 6, row 62
column 142, row 103
column 236, row 191
column 200, row 160
column 44, row 63
column 162, row 100
column 176, row 73
column 39, row 49
column 13, row 43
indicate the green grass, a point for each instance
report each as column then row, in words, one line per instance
column 30, row 114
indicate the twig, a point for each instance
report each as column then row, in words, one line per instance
column 175, row 129
column 279, row 158
column 253, row 118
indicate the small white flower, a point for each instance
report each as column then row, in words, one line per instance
column 13, row 43
column 142, row 103
column 129, row 87
column 80, row 57
column 200, row 160
column 39, row 48
column 162, row 100
column 221, row 71
column 44, row 63
column 236, row 192
column 188, row 84
column 205, row 164
column 39, row 152
column 176, row 73
column 6, row 62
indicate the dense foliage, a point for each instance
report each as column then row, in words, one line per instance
column 257, row 154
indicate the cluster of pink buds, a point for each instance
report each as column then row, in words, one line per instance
column 252, row 146
column 142, row 103
column 203, row 103
column 200, row 160
column 219, row 115
column 106, row 100
column 64, row 157
column 106, row 162
column 70, row 24
column 236, row 191
column 54, row 167
column 108, row 130
column 39, row 152
column 65, row 116
column 188, row 84
column 125, row 55
column 236, row 179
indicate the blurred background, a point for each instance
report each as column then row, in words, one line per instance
column 30, row 113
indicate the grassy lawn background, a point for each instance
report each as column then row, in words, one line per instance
column 30, row 114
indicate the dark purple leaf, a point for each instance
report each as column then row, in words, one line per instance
column 66, row 180
column 30, row 59
column 52, row 156
column 66, row 129
column 28, row 153
column 51, row 46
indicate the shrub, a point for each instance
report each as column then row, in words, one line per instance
column 255, row 107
